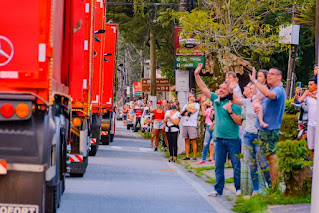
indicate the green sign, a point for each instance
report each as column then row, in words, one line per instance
column 137, row 93
column 188, row 62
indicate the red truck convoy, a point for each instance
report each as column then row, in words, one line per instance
column 57, row 64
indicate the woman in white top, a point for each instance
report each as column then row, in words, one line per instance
column 172, row 119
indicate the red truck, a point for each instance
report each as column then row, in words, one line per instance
column 35, row 109
column 99, row 35
column 79, row 43
column 108, row 114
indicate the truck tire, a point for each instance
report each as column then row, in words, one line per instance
column 51, row 199
column 93, row 151
column 105, row 140
column 112, row 138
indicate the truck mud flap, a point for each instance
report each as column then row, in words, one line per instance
column 16, row 188
column 78, row 169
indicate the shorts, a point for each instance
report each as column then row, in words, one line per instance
column 268, row 141
column 159, row 124
column 124, row 117
column 189, row 132
column 311, row 133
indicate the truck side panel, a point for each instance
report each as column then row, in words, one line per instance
column 111, row 33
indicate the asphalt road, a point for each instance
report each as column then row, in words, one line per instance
column 128, row 176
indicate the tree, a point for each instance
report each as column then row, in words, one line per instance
column 227, row 27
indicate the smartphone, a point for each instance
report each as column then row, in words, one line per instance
column 299, row 84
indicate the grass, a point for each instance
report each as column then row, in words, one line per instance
column 229, row 180
column 259, row 203
column 210, row 180
column 146, row 135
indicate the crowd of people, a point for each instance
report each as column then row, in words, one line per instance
column 263, row 103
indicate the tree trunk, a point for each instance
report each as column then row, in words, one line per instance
column 183, row 5
column 317, row 31
column 153, row 63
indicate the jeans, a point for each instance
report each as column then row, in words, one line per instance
column 172, row 143
column 138, row 120
column 233, row 148
column 252, row 156
column 207, row 139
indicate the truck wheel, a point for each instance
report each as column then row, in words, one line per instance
column 93, row 151
column 51, row 199
column 105, row 140
column 76, row 174
column 112, row 138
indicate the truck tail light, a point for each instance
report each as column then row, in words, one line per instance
column 7, row 110
column 22, row 110
column 77, row 121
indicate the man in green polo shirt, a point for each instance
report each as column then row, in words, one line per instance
column 226, row 133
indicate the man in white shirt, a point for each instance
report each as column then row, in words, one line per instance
column 310, row 98
column 190, row 129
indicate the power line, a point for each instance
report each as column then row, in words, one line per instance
column 149, row 4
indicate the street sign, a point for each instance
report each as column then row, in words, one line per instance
column 189, row 62
column 162, row 85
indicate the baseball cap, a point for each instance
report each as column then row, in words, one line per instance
column 159, row 102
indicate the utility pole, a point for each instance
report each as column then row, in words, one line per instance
column 315, row 173
column 292, row 60
column 153, row 68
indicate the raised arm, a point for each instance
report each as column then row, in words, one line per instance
column 202, row 86
column 264, row 90
column 304, row 95
column 236, row 97
column 203, row 109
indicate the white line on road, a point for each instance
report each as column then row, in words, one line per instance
column 212, row 201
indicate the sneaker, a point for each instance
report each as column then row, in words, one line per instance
column 238, row 192
column 186, row 158
column 255, row 193
column 212, row 162
column 155, row 150
column 194, row 158
column 201, row 162
column 213, row 194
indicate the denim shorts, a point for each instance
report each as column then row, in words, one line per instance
column 159, row 124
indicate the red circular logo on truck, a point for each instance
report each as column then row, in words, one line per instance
column 6, row 50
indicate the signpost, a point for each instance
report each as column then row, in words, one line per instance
column 162, row 85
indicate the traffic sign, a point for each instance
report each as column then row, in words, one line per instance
column 162, row 85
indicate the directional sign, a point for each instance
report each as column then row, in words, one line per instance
column 162, row 85
column 190, row 62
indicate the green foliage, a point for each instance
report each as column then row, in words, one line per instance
column 237, row 27
column 291, row 154
column 289, row 127
column 290, row 110
column 259, row 203
column 307, row 13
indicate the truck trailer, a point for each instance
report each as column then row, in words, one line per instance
column 35, row 105
column 108, row 114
